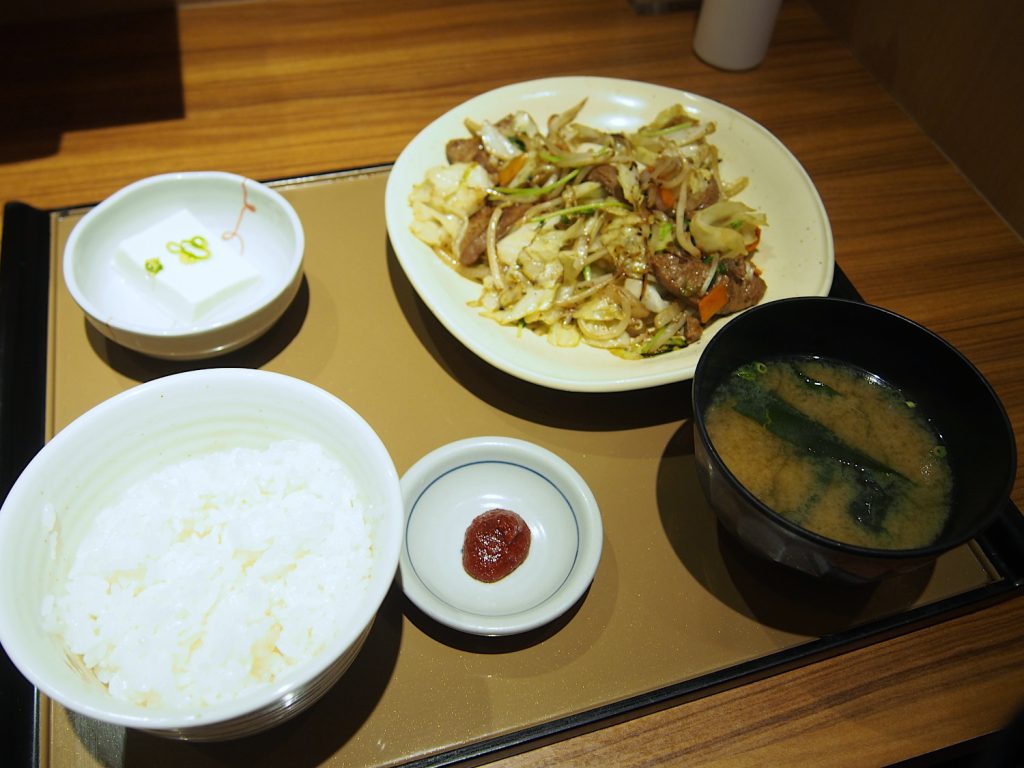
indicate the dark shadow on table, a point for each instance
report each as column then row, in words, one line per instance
column 81, row 71
column 767, row 592
column 581, row 411
column 255, row 354
column 482, row 644
column 309, row 739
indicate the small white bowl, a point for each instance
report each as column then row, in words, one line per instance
column 446, row 489
column 90, row 462
column 254, row 221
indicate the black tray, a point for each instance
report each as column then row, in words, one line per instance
column 25, row 259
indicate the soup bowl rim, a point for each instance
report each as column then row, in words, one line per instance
column 940, row 544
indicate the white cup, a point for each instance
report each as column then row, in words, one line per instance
column 734, row 34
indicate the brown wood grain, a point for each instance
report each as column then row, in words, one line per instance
column 928, row 56
column 279, row 89
column 875, row 706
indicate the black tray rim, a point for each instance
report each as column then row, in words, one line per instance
column 25, row 253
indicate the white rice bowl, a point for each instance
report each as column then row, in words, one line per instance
column 197, row 425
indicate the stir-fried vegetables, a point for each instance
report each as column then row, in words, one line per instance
column 627, row 241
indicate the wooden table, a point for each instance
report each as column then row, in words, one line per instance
column 273, row 90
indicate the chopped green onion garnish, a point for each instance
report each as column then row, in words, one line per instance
column 537, row 191
column 657, row 344
column 581, row 210
column 752, row 371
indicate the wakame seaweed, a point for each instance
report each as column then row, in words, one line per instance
column 810, row 381
column 877, row 484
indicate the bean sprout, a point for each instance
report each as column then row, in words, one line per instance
column 577, row 233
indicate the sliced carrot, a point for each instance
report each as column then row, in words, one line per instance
column 510, row 169
column 712, row 301
column 752, row 245
column 668, row 196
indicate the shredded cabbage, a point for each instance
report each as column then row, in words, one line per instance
column 601, row 222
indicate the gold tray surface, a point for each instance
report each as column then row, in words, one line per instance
column 673, row 599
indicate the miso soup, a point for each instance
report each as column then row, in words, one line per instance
column 833, row 449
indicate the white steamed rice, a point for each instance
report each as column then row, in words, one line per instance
column 216, row 575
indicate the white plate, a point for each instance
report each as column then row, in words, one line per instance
column 446, row 489
column 796, row 254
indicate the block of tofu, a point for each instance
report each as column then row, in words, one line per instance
column 187, row 268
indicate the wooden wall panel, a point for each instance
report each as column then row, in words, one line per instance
column 957, row 68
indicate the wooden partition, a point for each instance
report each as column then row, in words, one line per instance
column 958, row 69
